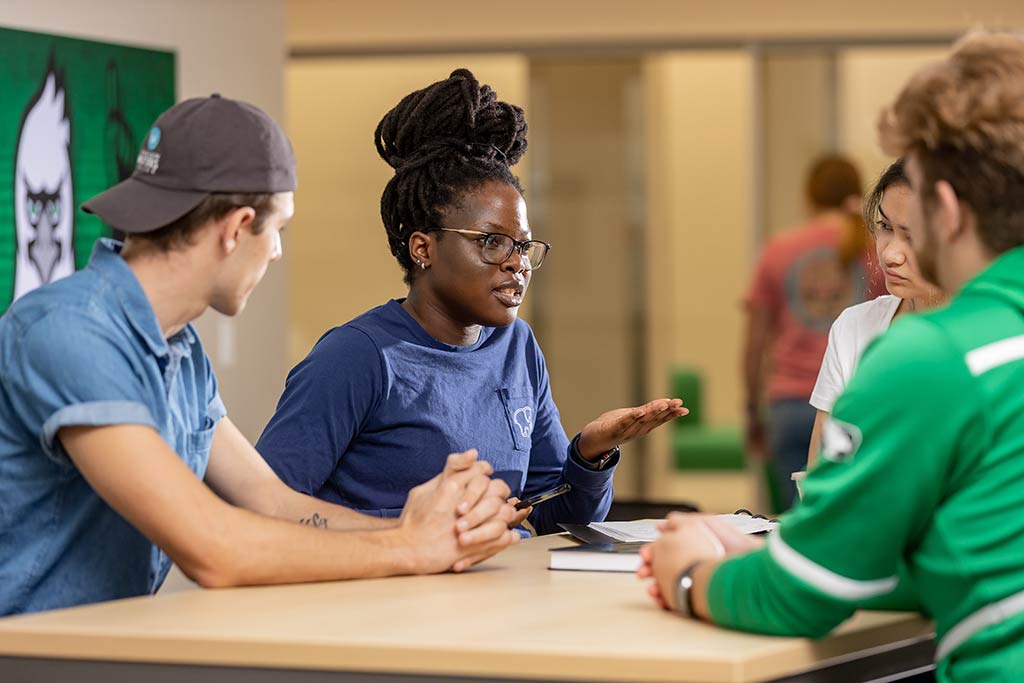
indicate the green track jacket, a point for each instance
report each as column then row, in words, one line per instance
column 918, row 500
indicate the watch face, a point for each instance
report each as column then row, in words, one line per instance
column 607, row 457
column 683, row 586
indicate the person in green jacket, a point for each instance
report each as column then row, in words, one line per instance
column 917, row 495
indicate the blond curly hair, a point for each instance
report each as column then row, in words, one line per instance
column 963, row 119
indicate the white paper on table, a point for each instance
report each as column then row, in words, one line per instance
column 646, row 530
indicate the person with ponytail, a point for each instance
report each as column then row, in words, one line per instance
column 804, row 279
column 378, row 402
column 886, row 212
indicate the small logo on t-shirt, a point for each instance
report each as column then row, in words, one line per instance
column 523, row 417
column 840, row 440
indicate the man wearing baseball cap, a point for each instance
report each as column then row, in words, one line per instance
column 116, row 455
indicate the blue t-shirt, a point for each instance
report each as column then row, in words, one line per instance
column 88, row 350
column 378, row 404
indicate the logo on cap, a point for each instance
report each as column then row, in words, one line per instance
column 148, row 161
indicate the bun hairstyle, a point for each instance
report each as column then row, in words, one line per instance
column 444, row 140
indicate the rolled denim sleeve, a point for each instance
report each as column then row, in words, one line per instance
column 73, row 373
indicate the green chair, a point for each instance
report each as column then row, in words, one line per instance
column 695, row 445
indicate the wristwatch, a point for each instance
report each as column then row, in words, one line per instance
column 602, row 460
column 683, row 586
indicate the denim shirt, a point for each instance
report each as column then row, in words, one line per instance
column 88, row 350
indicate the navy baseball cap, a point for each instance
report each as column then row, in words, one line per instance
column 197, row 147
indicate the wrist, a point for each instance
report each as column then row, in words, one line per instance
column 599, row 461
column 583, row 449
column 702, row 574
column 405, row 555
column 691, row 589
column 682, row 598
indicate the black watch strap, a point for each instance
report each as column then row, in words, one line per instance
column 684, row 591
column 601, row 463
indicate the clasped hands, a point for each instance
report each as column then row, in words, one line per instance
column 460, row 517
column 688, row 538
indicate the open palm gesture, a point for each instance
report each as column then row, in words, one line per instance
column 625, row 424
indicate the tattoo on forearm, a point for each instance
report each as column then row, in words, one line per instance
column 315, row 521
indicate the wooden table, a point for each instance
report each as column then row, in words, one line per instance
column 512, row 618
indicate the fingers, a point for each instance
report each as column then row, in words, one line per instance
column 457, row 462
column 509, row 537
column 519, row 516
column 732, row 539
column 462, row 473
column 489, row 527
column 484, row 504
column 652, row 590
column 673, row 408
column 658, row 413
column 646, row 570
column 476, row 487
column 660, row 406
column 462, row 467
column 676, row 520
column 479, row 468
column 489, row 532
column 650, row 416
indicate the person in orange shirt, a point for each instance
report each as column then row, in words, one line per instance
column 805, row 277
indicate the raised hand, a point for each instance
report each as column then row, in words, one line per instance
column 625, row 424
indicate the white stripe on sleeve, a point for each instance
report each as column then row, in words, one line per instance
column 825, row 580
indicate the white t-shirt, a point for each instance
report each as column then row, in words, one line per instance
column 853, row 330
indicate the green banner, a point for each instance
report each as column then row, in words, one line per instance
column 72, row 117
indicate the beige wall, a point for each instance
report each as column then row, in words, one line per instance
column 337, row 235
column 412, row 24
column 699, row 236
column 213, row 55
column 585, row 179
column 868, row 79
column 798, row 124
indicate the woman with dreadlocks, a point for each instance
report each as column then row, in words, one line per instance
column 377, row 404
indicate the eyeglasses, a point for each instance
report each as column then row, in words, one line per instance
column 496, row 248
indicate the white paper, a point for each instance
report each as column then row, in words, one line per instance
column 642, row 530
column 646, row 530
